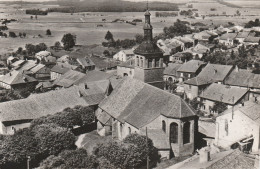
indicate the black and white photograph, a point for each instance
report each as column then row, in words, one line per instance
column 129, row 84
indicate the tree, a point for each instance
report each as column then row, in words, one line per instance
column 219, row 107
column 24, row 34
column 30, row 49
column 20, row 34
column 57, row 45
column 68, row 41
column 109, row 36
column 19, row 50
column 70, row 159
column 53, row 139
column 106, row 53
column 139, row 38
column 12, row 35
column 48, row 32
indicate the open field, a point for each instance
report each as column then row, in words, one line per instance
column 245, row 3
column 84, row 25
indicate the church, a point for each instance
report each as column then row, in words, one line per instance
column 138, row 103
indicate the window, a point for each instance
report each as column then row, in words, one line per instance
column 129, row 130
column 137, row 60
column 181, row 74
column 163, row 126
column 226, row 127
column 141, row 62
column 157, row 62
column 186, row 132
column 174, row 133
column 150, row 63
column 189, row 86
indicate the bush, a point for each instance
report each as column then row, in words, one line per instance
column 12, row 35
column 48, row 32
column 36, row 12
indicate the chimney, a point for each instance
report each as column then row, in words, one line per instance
column 236, row 69
column 204, row 155
column 86, row 86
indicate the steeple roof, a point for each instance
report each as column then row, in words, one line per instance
column 148, row 47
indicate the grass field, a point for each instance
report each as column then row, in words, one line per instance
column 84, row 25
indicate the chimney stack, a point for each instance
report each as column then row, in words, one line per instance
column 204, row 155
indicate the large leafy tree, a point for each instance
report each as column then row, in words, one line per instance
column 109, row 36
column 69, row 41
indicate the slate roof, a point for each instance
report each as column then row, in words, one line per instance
column 243, row 78
column 223, row 93
column 138, row 103
column 198, row 81
column 172, row 68
column 250, row 109
column 214, row 73
column 16, row 77
column 37, row 105
column 191, row 66
column 37, row 68
column 147, row 47
column 27, row 65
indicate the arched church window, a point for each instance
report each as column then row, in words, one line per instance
column 141, row 62
column 163, row 126
column 174, row 133
column 157, row 62
column 150, row 63
column 186, row 132
column 137, row 61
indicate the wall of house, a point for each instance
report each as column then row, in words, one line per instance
column 191, row 91
column 122, row 71
column 55, row 75
column 120, row 56
column 230, row 130
column 10, row 130
column 170, row 77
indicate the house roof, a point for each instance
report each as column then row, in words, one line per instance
column 37, row 105
column 37, row 68
column 146, row 48
column 128, row 51
column 50, row 59
column 64, row 58
column 223, row 93
column 27, row 65
column 138, row 103
column 85, row 61
column 214, row 73
column 172, row 68
column 243, row 78
column 159, row 138
column 252, row 39
column 18, row 63
column 231, row 159
column 228, row 36
column 208, row 128
column 73, row 77
column 191, row 66
column 16, row 77
column 198, row 81
column 250, row 109
column 43, row 54
column 242, row 34
column 63, row 68
column 129, row 63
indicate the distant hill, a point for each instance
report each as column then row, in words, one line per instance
column 111, row 6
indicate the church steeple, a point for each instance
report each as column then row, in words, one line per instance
column 148, row 29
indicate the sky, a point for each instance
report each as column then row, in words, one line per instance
column 111, row 0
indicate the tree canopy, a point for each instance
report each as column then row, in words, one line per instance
column 69, row 41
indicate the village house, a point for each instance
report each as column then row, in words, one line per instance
column 134, row 106
column 86, row 63
column 10, row 60
column 190, row 69
column 42, row 55
column 214, row 93
column 241, row 36
column 126, row 68
column 199, row 50
column 245, row 79
column 170, row 46
column 17, row 64
column 60, row 69
column 40, row 72
column 16, row 80
column 251, row 41
column 239, row 127
column 228, row 39
column 170, row 72
column 18, row 114
column 211, row 73
column 124, row 55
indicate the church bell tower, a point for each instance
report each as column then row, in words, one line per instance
column 149, row 58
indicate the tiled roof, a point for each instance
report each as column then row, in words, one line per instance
column 16, row 77
column 227, row 36
column 38, row 105
column 37, row 68
column 191, row 66
column 250, row 109
column 172, row 68
column 243, row 78
column 27, row 65
column 86, row 61
column 231, row 159
column 207, row 128
column 139, row 103
column 214, row 72
column 60, row 69
column 197, row 81
column 223, row 93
